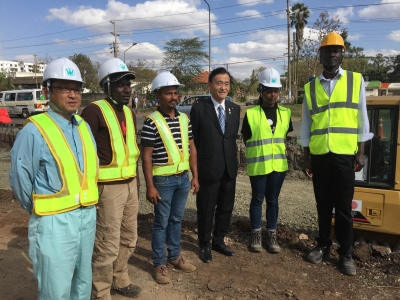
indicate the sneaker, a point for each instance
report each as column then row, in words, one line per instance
column 272, row 242
column 255, row 241
column 181, row 264
column 318, row 253
column 130, row 291
column 161, row 275
column 346, row 265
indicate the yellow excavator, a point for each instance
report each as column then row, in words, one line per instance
column 376, row 203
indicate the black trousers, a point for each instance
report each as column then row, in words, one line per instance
column 333, row 180
column 214, row 197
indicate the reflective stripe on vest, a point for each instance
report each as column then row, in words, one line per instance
column 334, row 126
column 77, row 189
column 266, row 152
column 178, row 161
column 124, row 153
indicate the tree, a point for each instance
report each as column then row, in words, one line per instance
column 144, row 72
column 184, row 58
column 394, row 75
column 378, row 69
column 6, row 83
column 298, row 18
column 88, row 71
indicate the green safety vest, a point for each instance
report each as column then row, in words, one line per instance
column 266, row 151
column 178, row 160
column 334, row 119
column 124, row 153
column 78, row 189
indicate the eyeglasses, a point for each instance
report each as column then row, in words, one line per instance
column 67, row 90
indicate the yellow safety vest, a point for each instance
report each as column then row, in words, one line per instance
column 77, row 189
column 124, row 154
column 266, row 151
column 334, row 125
column 178, row 161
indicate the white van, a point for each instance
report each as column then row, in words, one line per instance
column 23, row 102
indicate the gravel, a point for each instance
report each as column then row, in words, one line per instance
column 296, row 202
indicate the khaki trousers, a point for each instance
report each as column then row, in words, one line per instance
column 116, row 237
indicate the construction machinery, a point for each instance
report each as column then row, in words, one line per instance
column 376, row 204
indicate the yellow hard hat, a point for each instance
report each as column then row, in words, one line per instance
column 332, row 39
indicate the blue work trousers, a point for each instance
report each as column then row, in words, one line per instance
column 61, row 247
column 168, row 214
column 265, row 186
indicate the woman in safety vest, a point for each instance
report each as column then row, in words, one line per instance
column 264, row 130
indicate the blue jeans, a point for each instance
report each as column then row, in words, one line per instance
column 268, row 186
column 168, row 214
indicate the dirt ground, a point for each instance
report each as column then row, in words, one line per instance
column 246, row 275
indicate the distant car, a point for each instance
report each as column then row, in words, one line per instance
column 186, row 105
column 251, row 102
column 282, row 100
column 229, row 99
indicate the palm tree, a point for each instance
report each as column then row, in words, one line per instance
column 298, row 18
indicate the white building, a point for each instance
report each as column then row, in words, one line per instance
column 17, row 68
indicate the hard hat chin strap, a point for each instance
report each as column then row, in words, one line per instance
column 107, row 82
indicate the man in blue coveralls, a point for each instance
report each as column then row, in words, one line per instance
column 53, row 175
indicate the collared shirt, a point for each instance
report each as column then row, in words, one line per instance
column 33, row 167
column 151, row 137
column 364, row 133
column 216, row 104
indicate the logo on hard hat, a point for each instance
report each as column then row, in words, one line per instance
column 273, row 80
column 122, row 66
column 70, row 72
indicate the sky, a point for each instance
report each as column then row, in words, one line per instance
column 245, row 34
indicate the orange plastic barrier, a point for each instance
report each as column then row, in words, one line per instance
column 4, row 117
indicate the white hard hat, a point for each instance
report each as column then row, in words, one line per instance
column 62, row 68
column 114, row 66
column 163, row 79
column 270, row 78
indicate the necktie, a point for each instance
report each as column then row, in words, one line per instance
column 221, row 118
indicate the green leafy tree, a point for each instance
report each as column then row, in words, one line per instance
column 394, row 75
column 6, row 83
column 88, row 70
column 185, row 59
column 379, row 68
column 145, row 73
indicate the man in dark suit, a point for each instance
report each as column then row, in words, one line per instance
column 215, row 124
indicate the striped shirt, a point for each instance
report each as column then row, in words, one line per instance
column 152, row 138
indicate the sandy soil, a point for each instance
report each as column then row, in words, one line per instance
column 244, row 276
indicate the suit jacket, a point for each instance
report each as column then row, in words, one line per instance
column 215, row 150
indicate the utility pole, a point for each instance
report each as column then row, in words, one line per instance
column 288, row 42
column 35, row 67
column 115, row 44
column 295, row 71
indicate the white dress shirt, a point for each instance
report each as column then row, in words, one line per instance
column 216, row 104
column 329, row 84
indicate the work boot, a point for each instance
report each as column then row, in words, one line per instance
column 255, row 241
column 272, row 242
column 181, row 264
column 346, row 265
column 318, row 253
column 161, row 275
column 130, row 291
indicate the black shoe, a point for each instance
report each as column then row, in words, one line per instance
column 346, row 265
column 318, row 254
column 223, row 249
column 130, row 291
column 205, row 254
